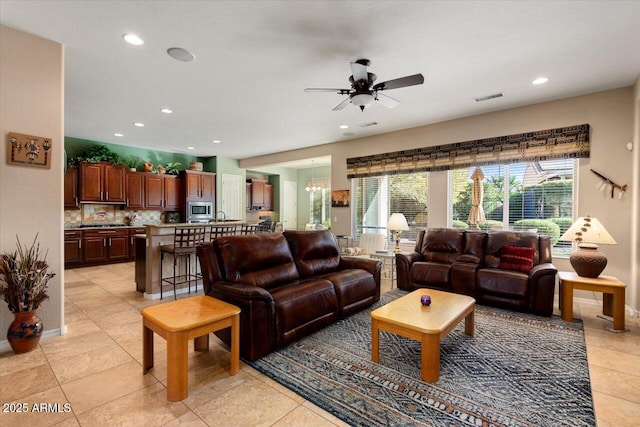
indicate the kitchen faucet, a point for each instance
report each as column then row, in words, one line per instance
column 224, row 215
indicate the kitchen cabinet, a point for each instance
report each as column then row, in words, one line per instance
column 260, row 194
column 200, row 186
column 102, row 182
column 106, row 245
column 135, row 190
column 132, row 240
column 154, row 192
column 173, row 193
column 71, row 200
column 72, row 248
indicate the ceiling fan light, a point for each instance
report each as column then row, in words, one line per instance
column 362, row 100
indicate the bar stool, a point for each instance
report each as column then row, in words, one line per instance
column 185, row 241
column 224, row 230
column 249, row 229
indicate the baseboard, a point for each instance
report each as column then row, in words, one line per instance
column 4, row 344
column 169, row 293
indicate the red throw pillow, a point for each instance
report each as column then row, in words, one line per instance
column 516, row 258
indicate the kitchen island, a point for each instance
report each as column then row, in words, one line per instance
column 157, row 236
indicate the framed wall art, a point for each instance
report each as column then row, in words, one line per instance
column 340, row 198
column 29, row 150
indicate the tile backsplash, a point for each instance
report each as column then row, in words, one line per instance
column 109, row 214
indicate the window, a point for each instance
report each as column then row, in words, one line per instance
column 374, row 199
column 520, row 196
column 320, row 207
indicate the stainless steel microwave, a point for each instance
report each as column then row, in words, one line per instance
column 199, row 211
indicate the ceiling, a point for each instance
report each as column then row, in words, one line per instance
column 254, row 58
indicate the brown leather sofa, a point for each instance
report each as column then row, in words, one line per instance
column 286, row 285
column 467, row 262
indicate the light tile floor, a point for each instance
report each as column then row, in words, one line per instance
column 96, row 369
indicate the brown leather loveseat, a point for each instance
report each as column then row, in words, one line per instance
column 506, row 269
column 286, row 285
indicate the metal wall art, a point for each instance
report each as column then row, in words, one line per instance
column 29, row 150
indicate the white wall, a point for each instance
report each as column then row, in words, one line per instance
column 611, row 116
column 31, row 199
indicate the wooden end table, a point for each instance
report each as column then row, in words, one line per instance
column 427, row 324
column 612, row 296
column 180, row 321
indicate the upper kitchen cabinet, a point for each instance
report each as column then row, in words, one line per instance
column 260, row 194
column 71, row 199
column 172, row 192
column 135, row 190
column 102, row 182
column 200, row 186
column 152, row 191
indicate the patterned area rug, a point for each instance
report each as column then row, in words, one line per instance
column 518, row 370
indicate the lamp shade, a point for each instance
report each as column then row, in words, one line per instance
column 397, row 222
column 588, row 232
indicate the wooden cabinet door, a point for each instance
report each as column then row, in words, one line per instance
column 132, row 241
column 114, row 184
column 90, row 182
column 154, row 195
column 71, row 188
column 193, row 188
column 118, row 247
column 135, row 190
column 249, row 194
column 94, row 249
column 257, row 191
column 268, row 197
column 208, row 187
column 172, row 193
column 72, row 252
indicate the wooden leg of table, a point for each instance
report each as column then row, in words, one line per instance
column 566, row 308
column 469, row 328
column 374, row 340
column 235, row 344
column 201, row 343
column 147, row 349
column 177, row 369
column 607, row 304
column 618, row 309
column 430, row 357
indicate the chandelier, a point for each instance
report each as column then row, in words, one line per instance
column 312, row 185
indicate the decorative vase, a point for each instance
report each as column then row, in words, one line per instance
column 148, row 167
column 25, row 331
column 162, row 170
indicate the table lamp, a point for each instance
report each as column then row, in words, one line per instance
column 588, row 233
column 397, row 224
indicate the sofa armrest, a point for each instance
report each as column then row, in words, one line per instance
column 542, row 284
column 540, row 270
column 371, row 265
column 404, row 260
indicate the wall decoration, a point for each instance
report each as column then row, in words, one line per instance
column 340, row 198
column 29, row 150
column 606, row 182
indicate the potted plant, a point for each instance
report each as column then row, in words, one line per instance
column 24, row 278
column 172, row 168
column 132, row 164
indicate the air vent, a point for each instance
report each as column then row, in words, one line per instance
column 488, row 97
column 366, row 125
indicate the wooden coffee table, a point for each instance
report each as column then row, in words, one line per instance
column 427, row 324
column 180, row 321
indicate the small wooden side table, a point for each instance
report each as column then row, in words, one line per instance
column 180, row 321
column 612, row 296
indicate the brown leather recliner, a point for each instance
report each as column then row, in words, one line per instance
column 286, row 285
column 468, row 262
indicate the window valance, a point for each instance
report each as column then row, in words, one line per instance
column 566, row 142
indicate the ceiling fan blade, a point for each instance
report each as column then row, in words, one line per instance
column 342, row 104
column 416, row 79
column 319, row 89
column 387, row 101
column 359, row 72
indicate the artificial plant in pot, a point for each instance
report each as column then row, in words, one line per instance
column 24, row 278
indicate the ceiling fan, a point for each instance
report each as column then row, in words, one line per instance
column 363, row 92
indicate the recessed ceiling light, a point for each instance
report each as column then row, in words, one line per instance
column 138, row 124
column 191, row 148
column 540, row 81
column 344, row 127
column 216, row 141
column 118, row 134
column 133, row 39
column 180, row 54
column 166, row 110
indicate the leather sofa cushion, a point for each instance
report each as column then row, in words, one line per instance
column 352, row 285
column 258, row 260
column 315, row 252
column 497, row 239
column 442, row 245
column 302, row 302
column 431, row 274
column 473, row 247
column 504, row 283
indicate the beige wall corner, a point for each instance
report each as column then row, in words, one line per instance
column 31, row 199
